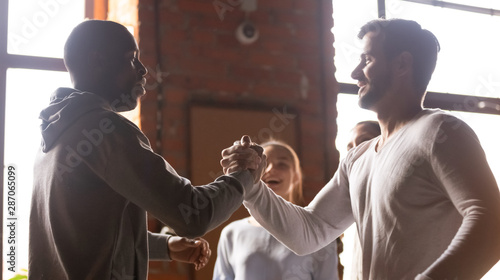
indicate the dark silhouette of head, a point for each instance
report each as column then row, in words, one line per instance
column 102, row 57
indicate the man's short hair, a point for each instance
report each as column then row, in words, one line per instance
column 406, row 35
column 91, row 36
column 374, row 125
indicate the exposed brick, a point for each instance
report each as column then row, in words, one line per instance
column 311, row 65
column 186, row 81
column 223, row 55
column 203, row 67
column 175, row 35
column 175, row 95
column 272, row 60
column 170, row 47
column 204, row 37
column 274, row 32
column 314, row 126
column 313, row 171
column 310, row 7
column 302, row 48
column 174, row 145
column 172, row 19
column 275, row 92
column 149, row 61
column 306, row 34
column 287, row 77
column 274, row 46
column 311, row 108
column 229, row 40
column 206, row 64
column 173, row 115
column 250, row 73
column 146, row 13
column 278, row 5
column 195, row 6
column 295, row 18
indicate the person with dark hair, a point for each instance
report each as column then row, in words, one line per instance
column 422, row 195
column 363, row 131
column 247, row 251
column 407, row 36
column 96, row 174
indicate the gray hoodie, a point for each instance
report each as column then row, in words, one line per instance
column 95, row 177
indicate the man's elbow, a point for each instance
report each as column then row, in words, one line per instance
column 192, row 230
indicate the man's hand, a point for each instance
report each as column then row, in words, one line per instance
column 244, row 155
column 195, row 251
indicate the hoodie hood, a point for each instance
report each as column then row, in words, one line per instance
column 66, row 106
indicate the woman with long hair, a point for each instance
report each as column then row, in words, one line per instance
column 247, row 251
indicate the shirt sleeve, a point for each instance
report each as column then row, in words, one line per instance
column 132, row 169
column 460, row 164
column 223, row 269
column 158, row 246
column 304, row 230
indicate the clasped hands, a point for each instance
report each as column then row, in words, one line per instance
column 244, row 155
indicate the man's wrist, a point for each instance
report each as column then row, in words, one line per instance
column 246, row 179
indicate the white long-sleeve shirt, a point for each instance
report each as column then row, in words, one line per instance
column 425, row 203
column 249, row 252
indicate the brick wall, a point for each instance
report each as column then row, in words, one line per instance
column 201, row 61
column 193, row 57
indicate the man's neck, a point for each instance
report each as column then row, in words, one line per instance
column 393, row 120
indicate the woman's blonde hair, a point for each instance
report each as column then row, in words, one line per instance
column 296, row 195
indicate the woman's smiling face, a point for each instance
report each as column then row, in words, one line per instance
column 280, row 172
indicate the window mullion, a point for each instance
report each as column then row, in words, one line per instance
column 381, row 8
column 35, row 62
column 447, row 101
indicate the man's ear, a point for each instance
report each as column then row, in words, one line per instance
column 97, row 62
column 403, row 64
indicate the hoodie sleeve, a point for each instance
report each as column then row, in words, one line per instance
column 158, row 246
column 130, row 167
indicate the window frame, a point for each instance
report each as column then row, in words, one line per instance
column 95, row 9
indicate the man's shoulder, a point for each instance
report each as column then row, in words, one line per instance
column 436, row 116
column 429, row 122
column 113, row 119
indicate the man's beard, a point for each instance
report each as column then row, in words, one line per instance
column 377, row 88
column 126, row 102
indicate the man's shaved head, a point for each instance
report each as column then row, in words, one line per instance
column 95, row 36
column 102, row 57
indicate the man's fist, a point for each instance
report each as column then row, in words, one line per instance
column 244, row 155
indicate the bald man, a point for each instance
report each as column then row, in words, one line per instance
column 96, row 174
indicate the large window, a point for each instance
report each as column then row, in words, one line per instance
column 466, row 81
column 22, row 139
column 32, row 36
